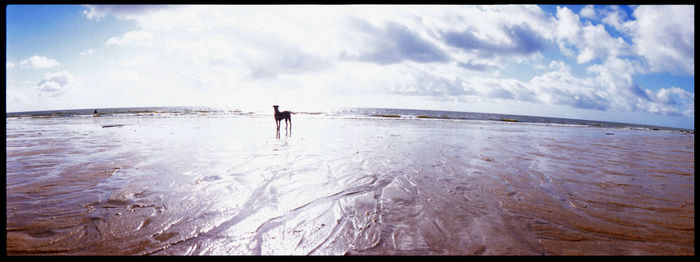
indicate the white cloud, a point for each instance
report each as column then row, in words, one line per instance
column 568, row 26
column 615, row 74
column 38, row 62
column 132, row 37
column 134, row 62
column 615, row 77
column 559, row 65
column 588, row 12
column 394, row 43
column 598, row 43
column 591, row 41
column 615, row 17
column 498, row 89
column 562, row 88
column 665, row 37
column 671, row 101
column 554, row 88
column 54, row 84
column 9, row 65
column 120, row 11
column 87, row 52
column 500, row 34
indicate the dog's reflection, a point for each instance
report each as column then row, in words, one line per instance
column 286, row 133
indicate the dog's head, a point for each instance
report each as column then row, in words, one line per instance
column 275, row 106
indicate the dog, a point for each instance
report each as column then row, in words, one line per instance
column 286, row 115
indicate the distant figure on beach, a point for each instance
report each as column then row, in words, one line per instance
column 95, row 112
column 286, row 115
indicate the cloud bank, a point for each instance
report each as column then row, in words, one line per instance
column 435, row 52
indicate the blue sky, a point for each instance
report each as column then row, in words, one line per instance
column 630, row 64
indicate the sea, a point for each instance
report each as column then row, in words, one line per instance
column 349, row 112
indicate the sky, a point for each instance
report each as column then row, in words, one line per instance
column 631, row 64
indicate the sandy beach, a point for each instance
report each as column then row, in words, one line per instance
column 225, row 185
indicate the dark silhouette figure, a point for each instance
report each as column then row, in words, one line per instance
column 287, row 116
column 95, row 112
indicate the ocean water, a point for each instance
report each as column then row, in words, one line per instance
column 199, row 181
column 340, row 112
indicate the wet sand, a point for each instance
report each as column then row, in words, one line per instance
column 225, row 185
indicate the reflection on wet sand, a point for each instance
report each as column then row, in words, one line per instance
column 189, row 185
